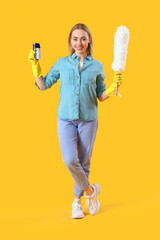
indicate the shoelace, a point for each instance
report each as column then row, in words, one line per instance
column 77, row 206
column 91, row 204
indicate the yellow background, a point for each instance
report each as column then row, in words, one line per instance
column 36, row 189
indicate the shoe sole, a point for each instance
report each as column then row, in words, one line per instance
column 97, row 208
column 74, row 217
column 98, row 189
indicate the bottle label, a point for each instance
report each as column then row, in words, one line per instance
column 37, row 53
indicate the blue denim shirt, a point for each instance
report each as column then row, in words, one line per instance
column 78, row 89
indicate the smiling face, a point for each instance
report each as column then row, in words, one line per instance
column 79, row 42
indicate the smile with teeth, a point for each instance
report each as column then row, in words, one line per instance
column 79, row 48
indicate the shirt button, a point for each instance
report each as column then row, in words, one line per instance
column 77, row 94
column 77, row 102
column 77, row 85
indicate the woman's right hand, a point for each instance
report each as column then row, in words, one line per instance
column 36, row 69
column 31, row 57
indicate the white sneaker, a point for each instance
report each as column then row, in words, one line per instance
column 92, row 202
column 77, row 210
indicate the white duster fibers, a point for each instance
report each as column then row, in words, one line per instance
column 121, row 39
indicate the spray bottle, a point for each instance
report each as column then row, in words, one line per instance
column 36, row 48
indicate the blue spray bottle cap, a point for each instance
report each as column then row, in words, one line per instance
column 36, row 45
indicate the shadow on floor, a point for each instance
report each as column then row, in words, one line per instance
column 105, row 208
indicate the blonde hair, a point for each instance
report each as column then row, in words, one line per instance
column 90, row 45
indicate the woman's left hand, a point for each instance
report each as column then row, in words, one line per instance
column 113, row 87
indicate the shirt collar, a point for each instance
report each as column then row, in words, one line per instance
column 75, row 56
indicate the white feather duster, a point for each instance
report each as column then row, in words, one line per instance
column 121, row 39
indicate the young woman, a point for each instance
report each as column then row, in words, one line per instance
column 81, row 83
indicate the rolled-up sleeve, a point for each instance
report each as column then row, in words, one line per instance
column 52, row 76
column 101, row 86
